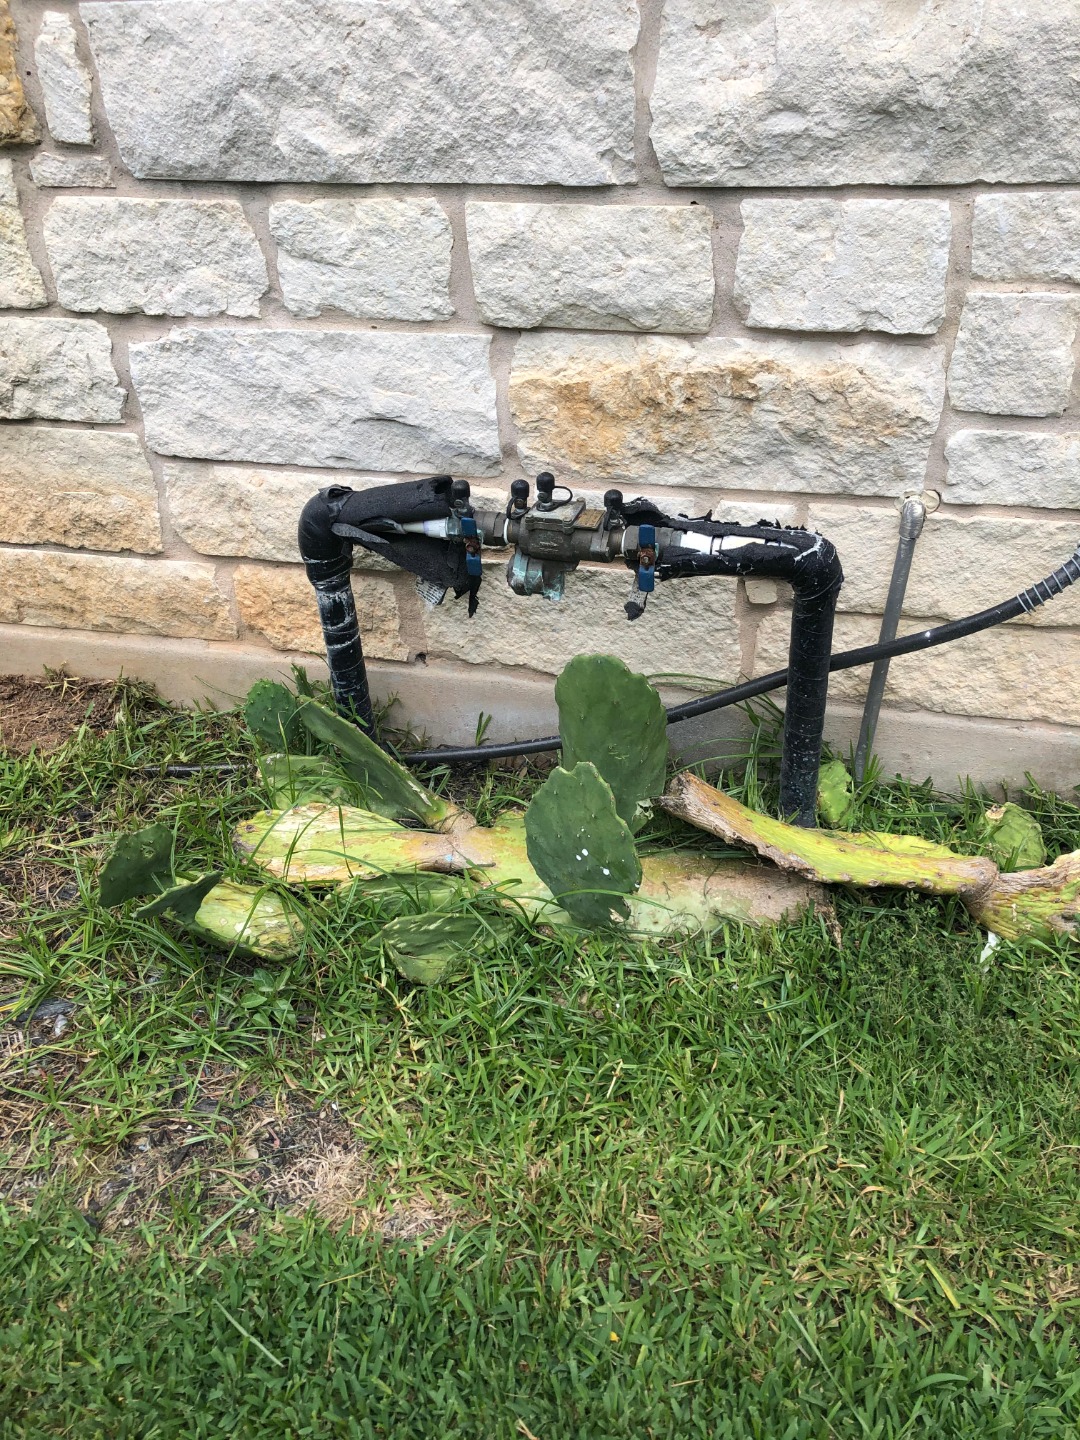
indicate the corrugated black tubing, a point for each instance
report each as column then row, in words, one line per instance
column 1022, row 604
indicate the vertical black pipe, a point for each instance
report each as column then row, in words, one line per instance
column 328, row 559
column 810, row 564
column 804, row 715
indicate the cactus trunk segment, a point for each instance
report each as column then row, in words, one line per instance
column 580, row 847
column 615, row 720
column 683, row 892
column 319, row 844
column 1032, row 904
column 870, row 860
column 679, row 892
column 1027, row 905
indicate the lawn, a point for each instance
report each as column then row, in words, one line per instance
column 760, row 1184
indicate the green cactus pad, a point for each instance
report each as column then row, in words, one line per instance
column 271, row 713
column 140, row 864
column 429, row 948
column 181, row 900
column 580, row 847
column 243, row 918
column 1014, row 838
column 835, row 800
column 296, row 779
column 388, row 787
column 248, row 919
column 615, row 720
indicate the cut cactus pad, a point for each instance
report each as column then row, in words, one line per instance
column 429, row 948
column 580, row 847
column 616, row 721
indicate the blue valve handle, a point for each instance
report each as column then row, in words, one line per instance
column 473, row 564
column 646, row 573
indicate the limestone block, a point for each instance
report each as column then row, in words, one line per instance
column 592, row 267
column 68, row 172
column 994, row 467
column 1027, row 237
column 64, row 80
column 163, row 257
column 844, row 264
column 1013, row 354
column 87, row 489
column 729, row 414
column 378, row 259
column 105, row 592
column 963, row 563
column 782, row 92
column 21, row 285
column 57, row 370
column 378, row 401
column 233, row 510
column 688, row 628
column 279, row 603
column 18, row 123
column 1009, row 672
column 511, row 92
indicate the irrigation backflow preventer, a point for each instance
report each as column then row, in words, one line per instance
column 430, row 527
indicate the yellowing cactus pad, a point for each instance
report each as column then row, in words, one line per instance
column 318, row 844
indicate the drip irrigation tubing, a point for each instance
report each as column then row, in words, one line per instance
column 1022, row 604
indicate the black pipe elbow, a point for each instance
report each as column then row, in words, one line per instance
column 816, row 570
column 315, row 534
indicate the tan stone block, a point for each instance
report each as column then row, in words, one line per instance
column 776, row 415
column 103, row 592
column 688, row 628
column 278, row 602
column 1007, row 672
column 86, row 489
column 962, row 564
column 18, row 124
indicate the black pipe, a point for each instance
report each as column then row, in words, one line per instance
column 1022, row 604
column 809, row 563
column 328, row 558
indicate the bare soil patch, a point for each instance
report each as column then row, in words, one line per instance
column 43, row 712
column 233, row 1159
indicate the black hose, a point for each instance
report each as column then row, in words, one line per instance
column 1022, row 604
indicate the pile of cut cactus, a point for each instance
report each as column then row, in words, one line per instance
column 350, row 815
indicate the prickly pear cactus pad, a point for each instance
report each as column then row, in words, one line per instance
column 140, row 864
column 1014, row 837
column 835, row 797
column 181, row 900
column 580, row 847
column 271, row 713
column 389, row 788
column 429, row 948
column 297, row 779
column 615, row 720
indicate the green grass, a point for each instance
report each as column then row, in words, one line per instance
column 756, row 1185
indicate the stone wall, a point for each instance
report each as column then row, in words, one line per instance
column 776, row 259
